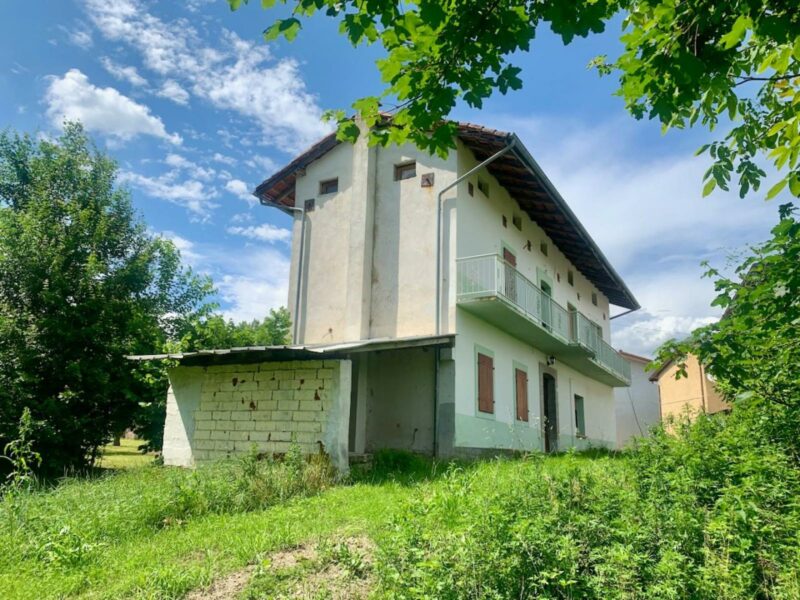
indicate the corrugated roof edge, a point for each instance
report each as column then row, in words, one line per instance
column 311, row 350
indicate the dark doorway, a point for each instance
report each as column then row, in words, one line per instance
column 549, row 413
column 547, row 314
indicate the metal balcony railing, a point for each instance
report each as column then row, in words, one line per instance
column 489, row 275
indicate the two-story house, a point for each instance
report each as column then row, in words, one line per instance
column 457, row 303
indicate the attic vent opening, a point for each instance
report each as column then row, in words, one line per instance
column 517, row 221
column 483, row 187
column 570, row 278
column 329, row 186
column 470, row 188
column 594, row 298
column 543, row 248
column 405, row 171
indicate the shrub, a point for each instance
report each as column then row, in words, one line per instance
column 72, row 523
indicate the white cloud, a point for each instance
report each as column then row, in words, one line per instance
column 105, row 110
column 172, row 90
column 241, row 190
column 221, row 158
column 176, row 161
column 186, row 247
column 265, row 165
column 191, row 194
column 238, row 75
column 78, row 35
column 255, row 283
column 265, row 232
column 123, row 73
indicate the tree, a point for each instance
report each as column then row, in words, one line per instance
column 735, row 62
column 215, row 332
column 82, row 285
column 753, row 351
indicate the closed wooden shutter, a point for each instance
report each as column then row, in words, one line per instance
column 522, row 394
column 485, row 383
column 509, row 257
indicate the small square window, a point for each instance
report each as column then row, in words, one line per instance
column 517, row 221
column 483, row 187
column 405, row 171
column 570, row 278
column 470, row 188
column 329, row 186
column 543, row 248
column 594, row 298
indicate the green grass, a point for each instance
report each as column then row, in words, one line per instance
column 130, row 533
column 125, row 456
column 574, row 526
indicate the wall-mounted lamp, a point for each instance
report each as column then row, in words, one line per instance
column 551, row 360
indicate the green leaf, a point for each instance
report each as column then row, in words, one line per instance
column 737, row 32
column 776, row 189
column 288, row 28
column 709, row 187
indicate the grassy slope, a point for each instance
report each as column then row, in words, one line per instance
column 124, row 456
column 139, row 560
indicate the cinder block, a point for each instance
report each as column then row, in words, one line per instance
column 306, row 394
column 223, row 445
column 244, row 446
column 267, row 405
column 310, row 384
column 305, row 437
column 269, row 384
column 222, row 415
column 287, row 384
column 288, row 404
column 310, row 405
column 305, row 374
column 265, row 425
column 239, row 436
column 219, row 435
column 282, row 436
column 285, row 394
column 314, row 427
column 205, row 444
column 240, row 415
column 203, row 434
column 199, row 425
column 281, row 415
column 305, row 415
column 244, row 425
column 226, row 396
column 330, row 364
column 260, row 436
column 325, row 373
column 282, row 375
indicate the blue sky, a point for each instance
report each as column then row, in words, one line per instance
column 197, row 110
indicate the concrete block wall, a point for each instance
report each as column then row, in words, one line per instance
column 269, row 404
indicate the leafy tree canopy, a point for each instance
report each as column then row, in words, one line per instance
column 82, row 285
column 733, row 63
column 215, row 332
column 753, row 352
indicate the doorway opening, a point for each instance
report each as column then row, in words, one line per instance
column 549, row 413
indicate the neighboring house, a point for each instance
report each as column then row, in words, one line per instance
column 637, row 406
column 694, row 393
column 440, row 305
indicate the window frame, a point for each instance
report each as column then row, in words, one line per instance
column 520, row 368
column 324, row 182
column 400, row 170
column 481, row 351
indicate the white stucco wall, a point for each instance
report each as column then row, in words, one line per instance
column 218, row 411
column 480, row 231
column 478, row 430
column 637, row 407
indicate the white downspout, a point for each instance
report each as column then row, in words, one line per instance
column 458, row 180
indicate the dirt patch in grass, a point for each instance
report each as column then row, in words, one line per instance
column 225, row 588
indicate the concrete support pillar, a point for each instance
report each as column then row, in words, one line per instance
column 446, row 404
column 362, row 220
column 183, row 399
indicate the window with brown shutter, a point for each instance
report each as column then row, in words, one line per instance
column 522, row 394
column 485, row 383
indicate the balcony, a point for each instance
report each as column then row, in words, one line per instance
column 493, row 290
